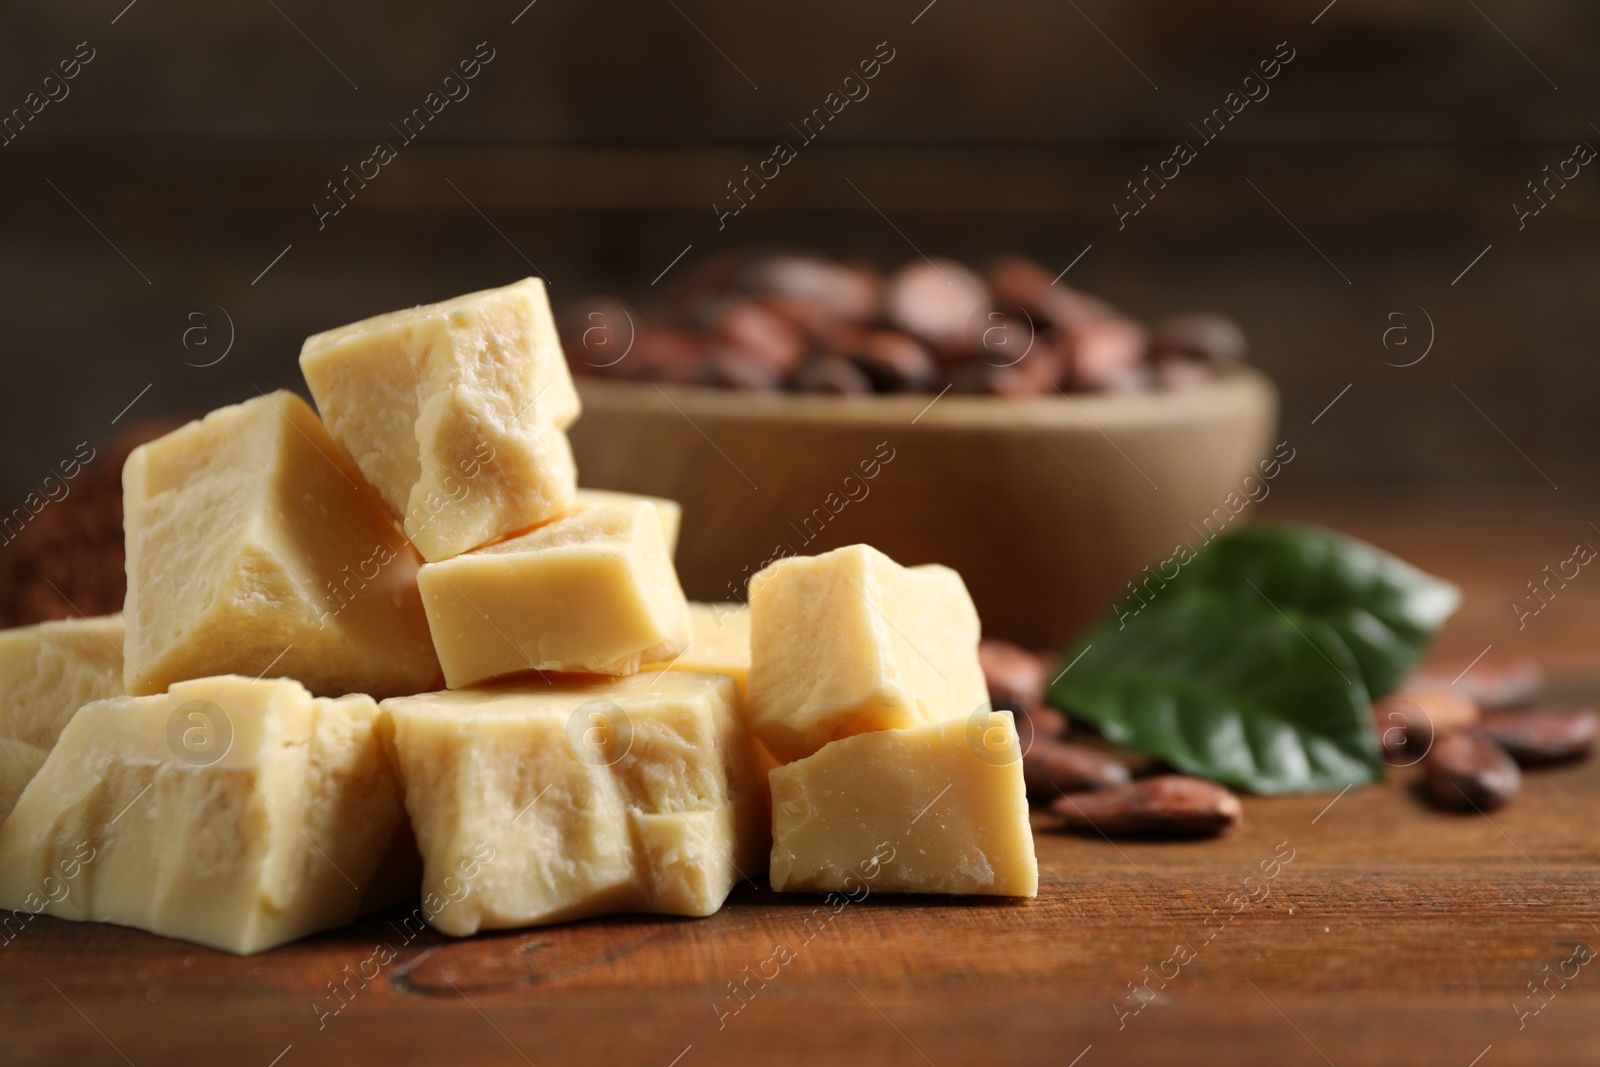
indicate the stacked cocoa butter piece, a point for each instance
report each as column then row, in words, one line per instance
column 394, row 647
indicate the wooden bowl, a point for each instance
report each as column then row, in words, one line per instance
column 1047, row 507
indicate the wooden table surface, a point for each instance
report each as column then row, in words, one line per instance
column 1392, row 934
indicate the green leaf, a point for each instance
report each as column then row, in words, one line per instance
column 1228, row 687
column 1385, row 609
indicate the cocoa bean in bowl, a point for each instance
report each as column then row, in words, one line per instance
column 794, row 404
column 930, row 324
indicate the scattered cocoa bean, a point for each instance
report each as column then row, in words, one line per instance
column 894, row 362
column 831, row 374
column 1170, row 805
column 1542, row 735
column 1468, row 770
column 1413, row 719
column 1051, row 767
column 1492, row 681
column 1203, row 335
column 1046, row 721
column 1014, row 675
column 936, row 301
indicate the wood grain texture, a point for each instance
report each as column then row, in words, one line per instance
column 1396, row 934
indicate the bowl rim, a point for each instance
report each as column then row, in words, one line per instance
column 1233, row 392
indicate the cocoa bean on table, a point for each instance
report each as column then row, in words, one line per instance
column 1490, row 681
column 1014, row 675
column 1469, row 771
column 1542, row 735
column 1046, row 721
column 1051, row 768
column 1170, row 805
column 1413, row 719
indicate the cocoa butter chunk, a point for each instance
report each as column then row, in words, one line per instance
column 233, row 812
column 1170, row 805
column 1053, row 767
column 933, row 809
column 47, row 672
column 850, row 641
column 538, row 802
column 1014, row 675
column 455, row 412
column 593, row 592
column 670, row 512
column 719, row 643
column 1542, row 735
column 1469, row 771
column 254, row 547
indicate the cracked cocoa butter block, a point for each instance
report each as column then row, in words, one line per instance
column 47, row 672
column 233, row 812
column 254, row 547
column 540, row 801
column 593, row 592
column 937, row 808
column 850, row 641
column 456, row 412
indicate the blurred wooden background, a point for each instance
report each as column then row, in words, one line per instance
column 189, row 151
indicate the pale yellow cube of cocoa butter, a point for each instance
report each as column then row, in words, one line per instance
column 592, row 592
column 254, row 548
column 47, row 672
column 719, row 643
column 939, row 808
column 850, row 641
column 234, row 812
column 670, row 512
column 537, row 802
column 455, row 412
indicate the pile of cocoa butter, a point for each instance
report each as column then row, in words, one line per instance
column 764, row 320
